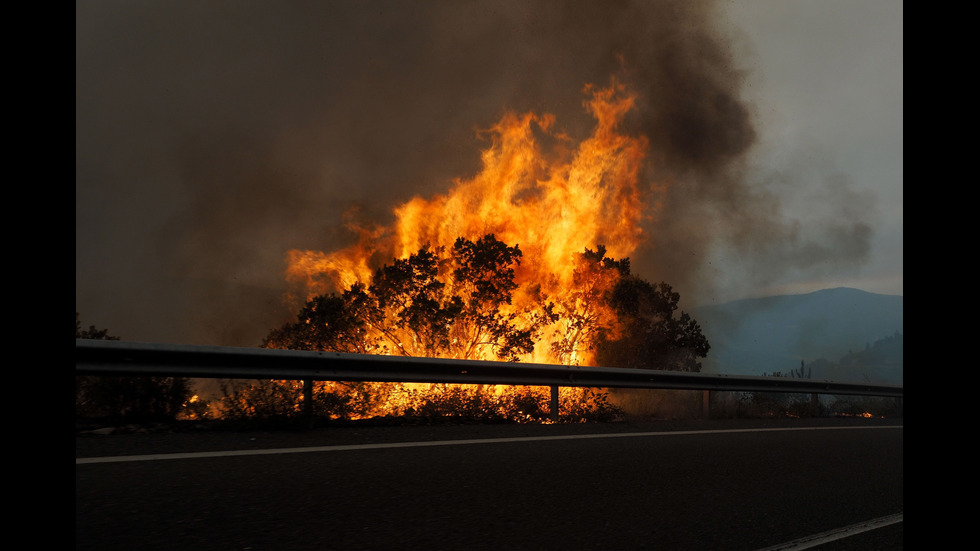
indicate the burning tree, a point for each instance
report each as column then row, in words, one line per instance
column 554, row 204
column 582, row 317
column 460, row 287
column 459, row 304
column 454, row 303
column 495, row 270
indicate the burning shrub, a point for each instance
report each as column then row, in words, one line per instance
column 585, row 405
column 277, row 399
column 525, row 404
column 461, row 402
column 261, row 399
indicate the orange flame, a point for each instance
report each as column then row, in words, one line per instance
column 553, row 205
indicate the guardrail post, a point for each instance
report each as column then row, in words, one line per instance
column 554, row 403
column 308, row 400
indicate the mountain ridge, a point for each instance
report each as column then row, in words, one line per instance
column 824, row 329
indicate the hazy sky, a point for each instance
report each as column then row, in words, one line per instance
column 213, row 137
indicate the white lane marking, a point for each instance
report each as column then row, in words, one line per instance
column 351, row 447
column 833, row 535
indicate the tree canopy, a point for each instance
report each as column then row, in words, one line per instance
column 459, row 303
column 650, row 335
column 435, row 303
column 92, row 332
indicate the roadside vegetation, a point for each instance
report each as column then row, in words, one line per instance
column 116, row 400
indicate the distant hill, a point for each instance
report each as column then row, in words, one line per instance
column 839, row 334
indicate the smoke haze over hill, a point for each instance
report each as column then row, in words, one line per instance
column 774, row 335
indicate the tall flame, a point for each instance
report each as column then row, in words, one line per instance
column 553, row 205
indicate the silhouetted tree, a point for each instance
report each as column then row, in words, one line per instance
column 125, row 398
column 91, row 332
column 651, row 335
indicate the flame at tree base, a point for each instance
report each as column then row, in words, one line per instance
column 276, row 399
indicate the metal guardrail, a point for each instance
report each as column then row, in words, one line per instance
column 102, row 357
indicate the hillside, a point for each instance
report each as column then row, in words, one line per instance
column 834, row 332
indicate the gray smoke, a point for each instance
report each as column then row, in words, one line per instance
column 213, row 137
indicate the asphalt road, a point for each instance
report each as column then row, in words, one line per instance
column 729, row 485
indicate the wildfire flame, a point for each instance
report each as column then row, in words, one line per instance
column 553, row 204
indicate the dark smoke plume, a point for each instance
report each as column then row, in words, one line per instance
column 212, row 137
